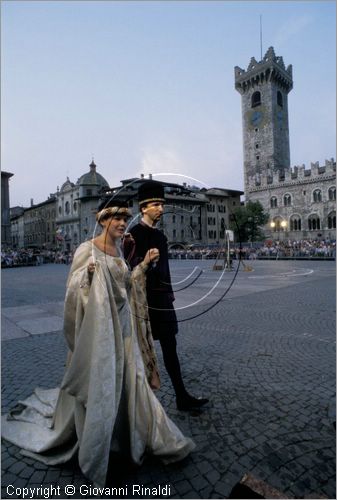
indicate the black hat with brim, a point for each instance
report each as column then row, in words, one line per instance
column 151, row 191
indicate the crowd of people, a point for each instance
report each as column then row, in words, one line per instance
column 294, row 249
column 273, row 249
column 33, row 257
column 269, row 249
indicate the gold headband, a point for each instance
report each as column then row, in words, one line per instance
column 111, row 211
column 150, row 200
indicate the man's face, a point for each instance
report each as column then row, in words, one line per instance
column 152, row 212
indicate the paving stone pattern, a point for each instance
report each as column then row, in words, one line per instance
column 267, row 362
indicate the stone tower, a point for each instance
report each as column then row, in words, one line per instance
column 264, row 89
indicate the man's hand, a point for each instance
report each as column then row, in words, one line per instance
column 151, row 256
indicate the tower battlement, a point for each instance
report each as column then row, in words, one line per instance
column 295, row 175
column 271, row 68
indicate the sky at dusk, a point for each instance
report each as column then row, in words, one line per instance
column 148, row 87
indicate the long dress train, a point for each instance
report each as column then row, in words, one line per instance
column 110, row 366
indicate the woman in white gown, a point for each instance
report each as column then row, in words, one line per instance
column 105, row 401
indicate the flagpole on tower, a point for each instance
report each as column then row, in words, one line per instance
column 261, row 35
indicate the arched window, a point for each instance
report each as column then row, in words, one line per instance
column 287, row 200
column 75, row 206
column 295, row 223
column 256, row 99
column 314, row 223
column 317, row 196
column 279, row 99
column 332, row 193
column 332, row 220
column 273, row 202
column 67, row 207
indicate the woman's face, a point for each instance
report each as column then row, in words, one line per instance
column 115, row 226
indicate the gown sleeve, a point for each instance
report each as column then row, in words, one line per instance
column 77, row 293
column 139, row 308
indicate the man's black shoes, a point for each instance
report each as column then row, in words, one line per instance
column 188, row 403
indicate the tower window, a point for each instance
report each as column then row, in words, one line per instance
column 287, row 200
column 295, row 223
column 314, row 223
column 317, row 196
column 256, row 146
column 257, row 157
column 273, row 202
column 332, row 220
column 332, row 194
column 279, row 99
column 256, row 99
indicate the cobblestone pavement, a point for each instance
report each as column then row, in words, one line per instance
column 265, row 355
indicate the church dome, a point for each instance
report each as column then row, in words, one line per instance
column 92, row 178
column 67, row 185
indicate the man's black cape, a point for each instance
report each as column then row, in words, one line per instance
column 158, row 283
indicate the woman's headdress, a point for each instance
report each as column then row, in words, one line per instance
column 111, row 207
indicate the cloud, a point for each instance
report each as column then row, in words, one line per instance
column 167, row 165
column 161, row 160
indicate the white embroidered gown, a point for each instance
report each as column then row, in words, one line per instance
column 104, row 402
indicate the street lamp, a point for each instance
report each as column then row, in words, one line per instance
column 278, row 226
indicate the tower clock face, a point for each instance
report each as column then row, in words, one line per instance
column 255, row 118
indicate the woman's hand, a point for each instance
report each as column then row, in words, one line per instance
column 127, row 237
column 151, row 255
column 91, row 268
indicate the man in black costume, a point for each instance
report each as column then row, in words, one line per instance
column 160, row 296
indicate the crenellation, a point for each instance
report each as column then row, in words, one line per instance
column 301, row 171
column 330, row 165
column 253, row 63
column 279, row 61
column 271, row 68
column 293, row 176
column 287, row 174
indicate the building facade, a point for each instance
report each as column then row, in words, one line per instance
column 301, row 202
column 5, row 213
column 38, row 225
column 17, row 227
column 192, row 216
